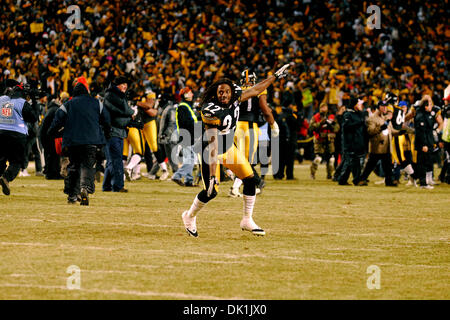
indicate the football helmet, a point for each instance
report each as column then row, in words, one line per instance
column 247, row 78
column 391, row 98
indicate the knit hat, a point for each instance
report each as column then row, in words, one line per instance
column 83, row 81
column 120, row 80
column 185, row 90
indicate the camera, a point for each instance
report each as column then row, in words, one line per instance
column 33, row 92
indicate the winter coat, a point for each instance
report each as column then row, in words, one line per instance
column 379, row 143
column 353, row 132
column 117, row 106
column 81, row 117
column 423, row 124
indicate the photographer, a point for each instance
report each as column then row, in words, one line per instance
column 324, row 127
column 15, row 112
column 32, row 147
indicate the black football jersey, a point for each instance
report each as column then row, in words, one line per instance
column 224, row 119
column 250, row 110
column 398, row 117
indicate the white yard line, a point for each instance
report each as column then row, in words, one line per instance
column 175, row 295
column 226, row 255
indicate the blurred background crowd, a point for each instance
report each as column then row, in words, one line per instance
column 164, row 46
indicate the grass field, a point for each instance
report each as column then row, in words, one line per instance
column 321, row 238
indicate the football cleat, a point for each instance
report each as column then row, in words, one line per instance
column 190, row 224
column 428, row 187
column 5, row 186
column 84, row 197
column 234, row 193
column 247, row 224
column 127, row 172
column 164, row 175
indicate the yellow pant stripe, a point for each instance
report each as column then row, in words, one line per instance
column 151, row 135
column 246, row 140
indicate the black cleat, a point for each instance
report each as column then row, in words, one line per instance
column 84, row 197
column 5, row 186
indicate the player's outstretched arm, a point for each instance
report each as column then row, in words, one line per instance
column 263, row 85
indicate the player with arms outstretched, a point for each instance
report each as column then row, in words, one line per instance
column 220, row 113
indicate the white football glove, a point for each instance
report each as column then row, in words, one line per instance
column 282, row 72
column 275, row 129
column 212, row 182
column 135, row 111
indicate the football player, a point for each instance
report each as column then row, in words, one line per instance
column 220, row 113
column 246, row 136
column 401, row 144
column 150, row 132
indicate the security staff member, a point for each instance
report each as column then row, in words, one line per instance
column 15, row 111
column 186, row 120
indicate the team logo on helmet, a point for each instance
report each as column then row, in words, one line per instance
column 248, row 78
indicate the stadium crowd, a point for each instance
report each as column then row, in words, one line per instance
column 162, row 47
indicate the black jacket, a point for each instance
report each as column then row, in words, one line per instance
column 354, row 132
column 81, row 117
column 117, row 106
column 185, row 120
column 423, row 124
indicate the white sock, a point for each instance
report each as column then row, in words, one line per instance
column 237, row 183
column 409, row 169
column 249, row 204
column 163, row 166
column 196, row 206
column 134, row 161
column 429, row 177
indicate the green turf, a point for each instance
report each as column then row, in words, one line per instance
column 321, row 238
